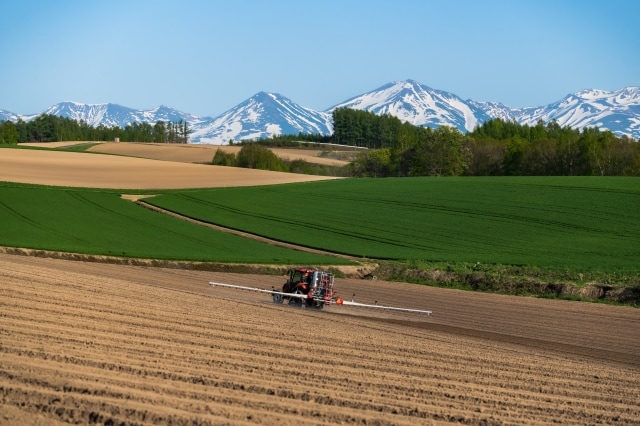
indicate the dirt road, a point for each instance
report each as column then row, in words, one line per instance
column 94, row 343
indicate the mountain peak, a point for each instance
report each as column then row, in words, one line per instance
column 591, row 94
column 266, row 114
column 419, row 105
column 267, row 96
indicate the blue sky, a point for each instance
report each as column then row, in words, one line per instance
column 206, row 56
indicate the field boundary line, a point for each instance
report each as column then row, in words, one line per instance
column 249, row 235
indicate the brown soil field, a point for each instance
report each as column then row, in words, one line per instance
column 96, row 343
column 91, row 343
column 75, row 169
column 191, row 153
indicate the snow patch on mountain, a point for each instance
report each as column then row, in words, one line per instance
column 8, row 116
column 263, row 115
column 418, row 104
column 268, row 114
column 617, row 111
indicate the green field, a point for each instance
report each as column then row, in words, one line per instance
column 555, row 223
column 99, row 222
column 558, row 223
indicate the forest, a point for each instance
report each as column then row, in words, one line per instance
column 51, row 128
column 394, row 148
column 495, row 148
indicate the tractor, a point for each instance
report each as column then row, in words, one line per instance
column 311, row 287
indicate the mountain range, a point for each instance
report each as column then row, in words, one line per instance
column 268, row 114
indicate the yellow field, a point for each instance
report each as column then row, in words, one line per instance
column 74, row 169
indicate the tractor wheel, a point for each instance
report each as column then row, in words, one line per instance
column 296, row 301
column 312, row 304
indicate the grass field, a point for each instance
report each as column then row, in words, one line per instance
column 101, row 223
column 573, row 223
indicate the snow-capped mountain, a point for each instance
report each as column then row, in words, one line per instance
column 268, row 114
column 618, row 111
column 263, row 115
column 116, row 115
column 8, row 116
column 420, row 105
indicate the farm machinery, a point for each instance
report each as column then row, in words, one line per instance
column 312, row 288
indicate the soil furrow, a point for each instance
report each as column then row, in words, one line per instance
column 136, row 345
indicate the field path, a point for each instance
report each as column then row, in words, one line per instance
column 140, row 201
column 111, row 344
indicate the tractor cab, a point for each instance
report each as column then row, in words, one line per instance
column 301, row 280
column 315, row 284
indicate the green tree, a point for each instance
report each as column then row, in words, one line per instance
column 486, row 157
column 222, row 158
column 539, row 158
column 628, row 153
column 372, row 163
column 8, row 133
column 450, row 155
column 514, row 152
column 254, row 156
column 160, row 132
column 184, row 131
column 171, row 132
column 441, row 152
column 568, row 153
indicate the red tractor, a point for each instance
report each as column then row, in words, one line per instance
column 310, row 286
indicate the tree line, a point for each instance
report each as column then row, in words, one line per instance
column 494, row 148
column 51, row 128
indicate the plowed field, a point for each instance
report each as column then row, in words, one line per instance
column 92, row 343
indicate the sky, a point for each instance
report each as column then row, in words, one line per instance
column 206, row 56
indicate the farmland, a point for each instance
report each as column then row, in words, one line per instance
column 102, row 223
column 110, row 344
column 557, row 223
column 96, row 343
